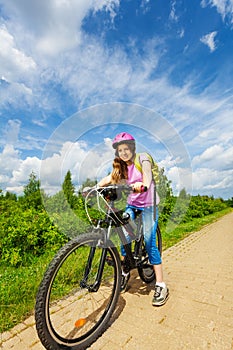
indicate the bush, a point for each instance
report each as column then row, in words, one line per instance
column 201, row 206
column 27, row 233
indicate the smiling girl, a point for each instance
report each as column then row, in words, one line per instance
column 124, row 170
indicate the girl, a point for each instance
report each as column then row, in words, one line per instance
column 124, row 170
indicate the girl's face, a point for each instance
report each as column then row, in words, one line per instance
column 125, row 152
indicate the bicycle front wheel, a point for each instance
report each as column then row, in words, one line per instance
column 72, row 309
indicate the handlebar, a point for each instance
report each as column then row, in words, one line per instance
column 109, row 194
column 122, row 188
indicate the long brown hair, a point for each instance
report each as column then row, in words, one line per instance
column 120, row 171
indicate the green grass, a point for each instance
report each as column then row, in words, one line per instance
column 18, row 286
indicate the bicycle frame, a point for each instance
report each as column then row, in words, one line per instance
column 130, row 257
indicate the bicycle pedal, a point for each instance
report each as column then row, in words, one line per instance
column 109, row 261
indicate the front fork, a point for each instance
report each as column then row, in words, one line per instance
column 95, row 286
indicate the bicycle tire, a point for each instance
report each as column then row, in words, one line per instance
column 68, row 315
column 145, row 269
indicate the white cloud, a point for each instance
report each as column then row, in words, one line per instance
column 14, row 171
column 217, row 157
column 224, row 7
column 9, row 159
column 14, row 63
column 181, row 33
column 17, row 95
column 173, row 16
column 209, row 154
column 145, row 6
column 20, row 175
column 39, row 47
column 17, row 70
column 73, row 156
column 11, row 132
column 109, row 6
column 212, row 173
column 55, row 26
column 207, row 133
column 180, row 178
column 209, row 40
column 76, row 157
column 209, row 181
column 81, row 69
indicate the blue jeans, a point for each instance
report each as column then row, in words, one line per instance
column 149, row 232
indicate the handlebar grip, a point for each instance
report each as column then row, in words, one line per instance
column 143, row 188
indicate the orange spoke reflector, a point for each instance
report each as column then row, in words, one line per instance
column 81, row 322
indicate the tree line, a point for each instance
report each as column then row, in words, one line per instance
column 34, row 222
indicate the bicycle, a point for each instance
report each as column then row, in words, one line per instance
column 80, row 289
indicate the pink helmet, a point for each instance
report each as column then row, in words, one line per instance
column 123, row 137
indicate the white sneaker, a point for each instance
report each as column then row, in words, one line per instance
column 160, row 296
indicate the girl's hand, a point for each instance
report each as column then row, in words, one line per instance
column 138, row 187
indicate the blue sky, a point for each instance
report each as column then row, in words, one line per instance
column 73, row 73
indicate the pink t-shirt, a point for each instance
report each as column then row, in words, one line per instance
column 144, row 199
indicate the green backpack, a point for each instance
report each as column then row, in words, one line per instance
column 155, row 176
column 154, row 166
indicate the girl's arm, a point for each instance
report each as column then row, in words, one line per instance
column 146, row 173
column 146, row 176
column 105, row 181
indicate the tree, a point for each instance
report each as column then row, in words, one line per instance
column 11, row 196
column 32, row 195
column 183, row 194
column 164, row 185
column 33, row 185
column 229, row 202
column 69, row 189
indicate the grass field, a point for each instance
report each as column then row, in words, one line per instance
column 18, row 286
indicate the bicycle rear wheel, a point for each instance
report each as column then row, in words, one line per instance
column 69, row 313
column 145, row 269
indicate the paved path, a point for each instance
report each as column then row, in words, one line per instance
column 198, row 314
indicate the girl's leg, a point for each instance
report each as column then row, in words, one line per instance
column 149, row 228
column 149, row 231
column 132, row 217
column 158, row 269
